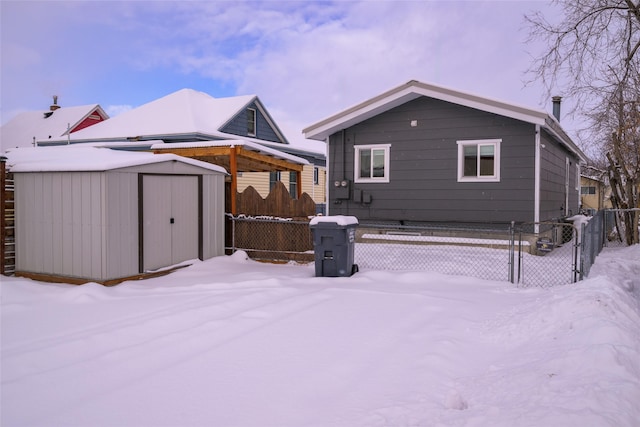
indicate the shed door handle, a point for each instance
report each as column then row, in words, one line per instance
column 172, row 220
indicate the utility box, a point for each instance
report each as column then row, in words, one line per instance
column 333, row 245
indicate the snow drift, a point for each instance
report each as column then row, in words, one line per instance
column 233, row 342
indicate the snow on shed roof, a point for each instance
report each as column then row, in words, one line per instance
column 76, row 158
column 43, row 125
column 185, row 111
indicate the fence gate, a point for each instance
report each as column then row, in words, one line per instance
column 544, row 254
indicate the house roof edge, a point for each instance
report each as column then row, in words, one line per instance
column 411, row 90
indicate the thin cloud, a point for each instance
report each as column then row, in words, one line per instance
column 306, row 60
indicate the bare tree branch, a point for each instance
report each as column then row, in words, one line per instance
column 593, row 56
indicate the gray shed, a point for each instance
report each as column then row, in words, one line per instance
column 95, row 214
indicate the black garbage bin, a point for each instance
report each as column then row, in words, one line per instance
column 333, row 245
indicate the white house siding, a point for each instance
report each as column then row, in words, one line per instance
column 260, row 182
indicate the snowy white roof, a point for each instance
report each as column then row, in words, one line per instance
column 184, row 112
column 251, row 146
column 81, row 158
column 22, row 129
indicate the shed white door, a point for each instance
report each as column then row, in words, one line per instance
column 170, row 220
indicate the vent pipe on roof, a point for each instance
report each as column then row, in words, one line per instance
column 556, row 106
column 54, row 106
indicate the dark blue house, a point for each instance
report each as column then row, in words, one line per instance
column 426, row 153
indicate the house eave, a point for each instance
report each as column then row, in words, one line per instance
column 552, row 126
column 412, row 90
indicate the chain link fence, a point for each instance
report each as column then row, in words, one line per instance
column 621, row 227
column 526, row 254
column 477, row 251
column 544, row 254
column 593, row 240
column 270, row 238
column 608, row 228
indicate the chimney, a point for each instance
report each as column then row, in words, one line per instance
column 55, row 105
column 556, row 106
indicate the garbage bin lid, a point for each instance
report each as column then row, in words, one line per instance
column 336, row 219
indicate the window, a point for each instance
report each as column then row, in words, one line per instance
column 588, row 190
column 316, row 175
column 479, row 160
column 372, row 163
column 273, row 178
column 293, row 184
column 251, row 122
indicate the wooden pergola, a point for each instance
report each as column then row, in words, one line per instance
column 238, row 157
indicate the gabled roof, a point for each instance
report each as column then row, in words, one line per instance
column 44, row 125
column 187, row 113
column 415, row 89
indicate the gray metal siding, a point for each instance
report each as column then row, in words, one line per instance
column 423, row 166
column 59, row 226
column 170, row 220
column 85, row 224
column 238, row 126
column 213, row 218
column 121, row 225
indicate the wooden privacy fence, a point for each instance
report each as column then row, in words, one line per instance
column 275, row 228
column 278, row 203
column 7, row 221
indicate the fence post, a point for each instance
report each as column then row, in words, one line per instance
column 233, row 234
column 583, row 237
column 511, row 250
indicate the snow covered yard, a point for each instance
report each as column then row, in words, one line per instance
column 233, row 342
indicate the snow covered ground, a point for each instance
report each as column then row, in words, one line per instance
column 233, row 342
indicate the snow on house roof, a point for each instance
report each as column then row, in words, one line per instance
column 415, row 89
column 76, row 158
column 43, row 125
column 183, row 112
column 251, row 146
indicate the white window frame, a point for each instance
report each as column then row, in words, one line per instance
column 356, row 169
column 252, row 112
column 496, row 160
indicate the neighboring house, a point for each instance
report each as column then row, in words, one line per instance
column 426, row 153
column 594, row 190
column 184, row 121
column 30, row 128
column 314, row 179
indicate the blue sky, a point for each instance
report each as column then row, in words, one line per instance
column 305, row 60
